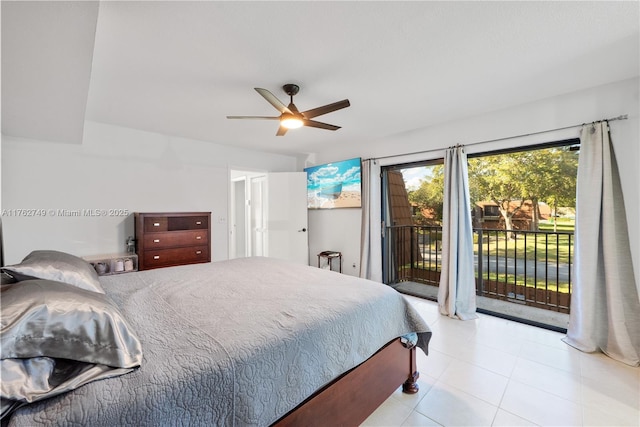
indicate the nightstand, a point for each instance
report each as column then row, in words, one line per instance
column 330, row 256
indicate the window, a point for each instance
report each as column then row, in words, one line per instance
column 491, row 211
column 526, row 189
column 523, row 212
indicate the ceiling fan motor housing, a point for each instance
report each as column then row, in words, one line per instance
column 291, row 89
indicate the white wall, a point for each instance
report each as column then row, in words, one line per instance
column 121, row 169
column 570, row 109
column 336, row 230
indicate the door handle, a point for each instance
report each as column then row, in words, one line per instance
column 302, row 231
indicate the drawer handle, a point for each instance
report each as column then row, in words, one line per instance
column 156, row 257
column 156, row 240
column 198, row 222
column 156, row 224
column 198, row 237
column 198, row 252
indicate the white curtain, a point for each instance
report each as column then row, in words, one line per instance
column 457, row 291
column 371, row 235
column 605, row 311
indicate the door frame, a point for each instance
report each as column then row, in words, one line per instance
column 240, row 174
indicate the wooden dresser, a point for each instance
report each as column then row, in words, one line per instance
column 174, row 238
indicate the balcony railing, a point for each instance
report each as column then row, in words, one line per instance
column 523, row 267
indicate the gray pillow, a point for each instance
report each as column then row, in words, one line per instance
column 58, row 266
column 6, row 279
column 58, row 320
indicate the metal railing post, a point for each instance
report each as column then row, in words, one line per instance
column 480, row 269
column 411, row 257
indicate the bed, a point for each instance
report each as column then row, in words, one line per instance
column 253, row 341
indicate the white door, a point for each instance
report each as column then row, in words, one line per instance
column 258, row 216
column 286, row 217
column 239, row 236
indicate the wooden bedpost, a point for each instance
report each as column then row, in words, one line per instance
column 410, row 386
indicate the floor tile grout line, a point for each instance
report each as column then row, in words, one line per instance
column 534, row 339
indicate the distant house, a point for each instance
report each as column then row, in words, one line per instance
column 487, row 215
column 424, row 216
column 401, row 215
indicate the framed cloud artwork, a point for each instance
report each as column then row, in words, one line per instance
column 335, row 185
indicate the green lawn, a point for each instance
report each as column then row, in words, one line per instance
column 541, row 247
column 563, row 224
column 519, row 280
column 546, row 246
column 502, row 278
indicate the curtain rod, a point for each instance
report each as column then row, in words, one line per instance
column 621, row 117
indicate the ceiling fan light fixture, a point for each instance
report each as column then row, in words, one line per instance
column 290, row 121
column 290, row 117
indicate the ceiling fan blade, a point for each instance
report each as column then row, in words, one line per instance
column 314, row 124
column 281, row 131
column 271, row 98
column 315, row 112
column 254, row 117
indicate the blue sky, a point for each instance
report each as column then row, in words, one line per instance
column 413, row 176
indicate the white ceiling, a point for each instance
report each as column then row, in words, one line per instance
column 46, row 68
column 179, row 68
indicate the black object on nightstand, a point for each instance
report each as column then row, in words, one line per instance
column 330, row 256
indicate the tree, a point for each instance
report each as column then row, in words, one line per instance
column 429, row 196
column 509, row 180
column 555, row 179
column 544, row 175
column 560, row 190
column 499, row 178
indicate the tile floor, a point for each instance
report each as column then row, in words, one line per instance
column 495, row 372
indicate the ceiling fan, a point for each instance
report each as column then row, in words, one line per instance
column 290, row 117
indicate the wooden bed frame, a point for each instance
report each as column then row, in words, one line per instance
column 351, row 398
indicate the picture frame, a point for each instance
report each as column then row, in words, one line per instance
column 335, row 185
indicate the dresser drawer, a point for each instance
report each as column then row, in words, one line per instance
column 153, row 224
column 173, row 239
column 176, row 223
column 176, row 256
